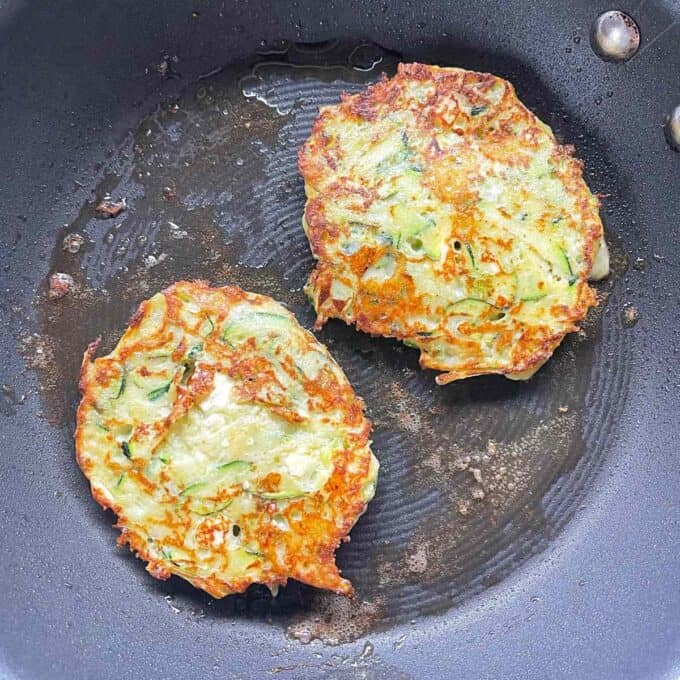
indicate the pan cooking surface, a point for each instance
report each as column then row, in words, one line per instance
column 570, row 574
column 475, row 477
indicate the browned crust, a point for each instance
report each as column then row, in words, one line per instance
column 314, row 540
column 385, row 312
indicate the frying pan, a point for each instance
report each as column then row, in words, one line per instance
column 520, row 530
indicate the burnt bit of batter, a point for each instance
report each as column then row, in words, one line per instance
column 60, row 284
column 108, row 208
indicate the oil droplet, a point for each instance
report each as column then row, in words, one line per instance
column 639, row 264
column 368, row 650
column 365, row 57
column 169, row 193
column 72, row 243
column 629, row 316
column 11, row 397
column 254, row 87
column 399, row 642
column 170, row 599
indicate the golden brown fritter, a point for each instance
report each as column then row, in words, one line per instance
column 227, row 441
column 442, row 212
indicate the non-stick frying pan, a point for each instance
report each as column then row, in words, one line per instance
column 520, row 530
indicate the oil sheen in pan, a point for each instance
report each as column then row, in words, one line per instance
column 475, row 477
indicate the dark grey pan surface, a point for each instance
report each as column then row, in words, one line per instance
column 520, row 530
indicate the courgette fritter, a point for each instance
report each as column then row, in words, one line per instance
column 443, row 213
column 227, row 441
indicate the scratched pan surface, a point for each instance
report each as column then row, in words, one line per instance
column 519, row 529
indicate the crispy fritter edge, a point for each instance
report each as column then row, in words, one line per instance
column 361, row 106
column 137, row 544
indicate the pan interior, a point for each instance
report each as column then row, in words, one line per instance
column 475, row 477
